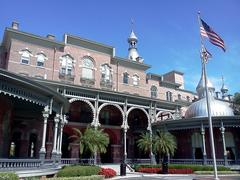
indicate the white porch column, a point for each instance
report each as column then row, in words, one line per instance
column 204, row 146
column 62, row 123
column 95, row 123
column 42, row 151
column 125, row 128
column 54, row 151
column 151, row 120
column 222, row 129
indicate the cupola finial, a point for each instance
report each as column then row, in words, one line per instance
column 132, row 50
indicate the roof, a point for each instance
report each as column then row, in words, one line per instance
column 37, row 91
column 85, row 43
column 28, row 37
column 130, row 63
column 191, row 123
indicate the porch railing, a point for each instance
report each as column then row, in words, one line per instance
column 19, row 164
column 69, row 161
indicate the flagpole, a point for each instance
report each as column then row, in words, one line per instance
column 204, row 60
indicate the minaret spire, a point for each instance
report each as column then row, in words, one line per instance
column 132, row 50
column 224, row 90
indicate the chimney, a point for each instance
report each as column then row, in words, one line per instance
column 15, row 25
column 50, row 36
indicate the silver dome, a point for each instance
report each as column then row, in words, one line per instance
column 199, row 108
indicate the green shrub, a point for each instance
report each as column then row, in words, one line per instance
column 73, row 171
column 182, row 166
column 8, row 176
column 212, row 172
column 94, row 177
column 198, row 167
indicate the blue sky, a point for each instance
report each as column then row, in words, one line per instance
column 168, row 30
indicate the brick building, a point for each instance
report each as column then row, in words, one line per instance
column 92, row 86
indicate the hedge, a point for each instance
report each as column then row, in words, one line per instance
column 93, row 177
column 182, row 166
column 8, row 176
column 73, row 171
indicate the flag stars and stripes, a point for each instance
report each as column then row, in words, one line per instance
column 214, row 38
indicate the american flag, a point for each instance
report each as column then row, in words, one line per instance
column 214, row 38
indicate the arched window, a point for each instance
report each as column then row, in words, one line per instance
column 106, row 73
column 67, row 64
column 41, row 57
column 25, row 56
column 87, row 68
column 135, row 80
column 153, row 91
column 125, row 78
column 169, row 96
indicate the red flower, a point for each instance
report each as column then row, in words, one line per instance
column 149, row 170
column 107, row 172
column 170, row 171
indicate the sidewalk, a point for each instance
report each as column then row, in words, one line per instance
column 136, row 175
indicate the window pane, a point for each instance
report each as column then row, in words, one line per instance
column 69, row 71
column 88, row 63
column 40, row 64
column 87, row 73
column 25, row 61
column 125, row 78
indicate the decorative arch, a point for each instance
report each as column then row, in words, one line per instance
column 166, row 112
column 86, row 101
column 111, row 104
column 142, row 109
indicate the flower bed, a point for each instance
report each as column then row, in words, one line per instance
column 180, row 171
column 107, row 172
column 149, row 170
column 170, row 171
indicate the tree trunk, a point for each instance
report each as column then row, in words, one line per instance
column 165, row 164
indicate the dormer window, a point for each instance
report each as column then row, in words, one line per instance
column 88, row 68
column 125, row 78
column 41, row 57
column 25, row 56
column 135, row 80
column 106, row 73
column 153, row 91
column 67, row 64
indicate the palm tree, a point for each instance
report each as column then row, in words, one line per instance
column 164, row 144
column 92, row 141
column 144, row 143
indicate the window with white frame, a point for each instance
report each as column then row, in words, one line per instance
column 106, row 73
column 169, row 96
column 67, row 64
column 41, row 57
column 153, row 91
column 135, row 80
column 88, row 68
column 25, row 56
column 125, row 78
